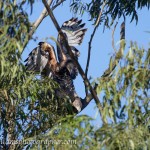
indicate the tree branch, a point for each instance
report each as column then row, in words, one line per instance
column 56, row 5
column 108, row 71
column 119, row 54
column 92, row 36
column 42, row 16
column 86, row 81
column 40, row 19
column 88, row 98
column 113, row 31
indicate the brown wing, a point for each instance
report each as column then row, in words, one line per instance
column 38, row 59
column 74, row 32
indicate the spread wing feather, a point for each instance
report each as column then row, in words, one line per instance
column 37, row 60
column 73, row 29
column 74, row 32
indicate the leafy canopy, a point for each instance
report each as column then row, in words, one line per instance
column 30, row 110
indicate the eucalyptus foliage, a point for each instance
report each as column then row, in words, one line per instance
column 31, row 112
column 126, row 92
column 113, row 10
column 27, row 102
column 125, row 99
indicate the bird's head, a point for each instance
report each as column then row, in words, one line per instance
column 48, row 51
column 45, row 47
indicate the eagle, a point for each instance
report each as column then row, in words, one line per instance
column 74, row 33
column 43, row 60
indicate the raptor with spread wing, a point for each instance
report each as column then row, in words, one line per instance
column 74, row 33
column 42, row 59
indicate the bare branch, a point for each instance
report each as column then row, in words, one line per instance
column 113, row 45
column 86, row 81
column 92, row 36
column 42, row 16
column 88, row 98
column 57, row 5
column 108, row 71
column 40, row 19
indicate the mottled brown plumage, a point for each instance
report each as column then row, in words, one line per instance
column 74, row 32
column 43, row 60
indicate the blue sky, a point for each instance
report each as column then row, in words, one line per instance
column 101, row 46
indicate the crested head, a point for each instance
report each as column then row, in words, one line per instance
column 46, row 47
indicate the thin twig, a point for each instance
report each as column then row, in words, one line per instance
column 119, row 54
column 86, row 81
column 90, row 43
column 108, row 71
column 113, row 31
column 57, row 5
column 42, row 16
column 92, row 36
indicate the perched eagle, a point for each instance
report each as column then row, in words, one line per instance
column 42, row 59
column 74, row 33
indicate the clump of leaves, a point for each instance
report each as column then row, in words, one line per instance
column 113, row 9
